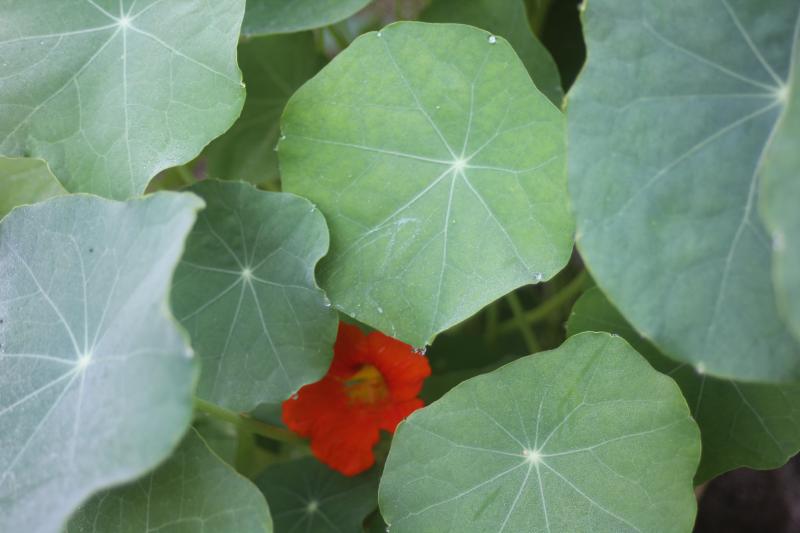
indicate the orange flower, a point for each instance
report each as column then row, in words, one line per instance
column 372, row 385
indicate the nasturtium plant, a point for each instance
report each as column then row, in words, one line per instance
column 549, row 442
column 96, row 378
column 193, row 491
column 467, row 144
column 741, row 424
column 245, row 292
column 668, row 126
column 110, row 92
column 357, row 266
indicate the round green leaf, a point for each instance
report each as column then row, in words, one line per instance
column 25, row 181
column 306, row 495
column 667, row 125
column 509, row 19
column 245, row 291
column 96, row 379
column 780, row 194
column 550, row 442
column 194, row 491
column 273, row 68
column 264, row 17
column 741, row 424
column 446, row 117
column 111, row 92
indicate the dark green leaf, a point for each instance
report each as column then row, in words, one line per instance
column 273, row 68
column 264, row 17
column 306, row 495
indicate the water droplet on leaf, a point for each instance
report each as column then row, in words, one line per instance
column 492, row 39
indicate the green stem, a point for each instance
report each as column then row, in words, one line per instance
column 186, row 175
column 246, row 423
column 543, row 310
column 340, row 38
column 519, row 322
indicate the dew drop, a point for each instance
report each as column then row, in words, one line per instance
column 283, row 137
column 380, row 310
column 492, row 39
column 421, row 350
column 379, row 34
column 294, row 396
column 537, row 277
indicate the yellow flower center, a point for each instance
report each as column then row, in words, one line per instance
column 366, row 385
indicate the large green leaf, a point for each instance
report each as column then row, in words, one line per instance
column 741, row 424
column 509, row 19
column 245, row 291
column 264, row 17
column 446, row 118
column 110, row 92
column 273, row 68
column 194, row 491
column 584, row 438
column 306, row 495
column 667, row 125
column 780, row 196
column 25, row 181
column 96, row 379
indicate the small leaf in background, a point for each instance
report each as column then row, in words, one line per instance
column 509, row 19
column 96, row 379
column 25, row 181
column 245, row 292
column 273, row 69
column 780, row 198
column 305, row 495
column 111, row 97
column 446, row 118
column 194, row 491
column 741, row 424
column 264, row 17
column 584, row 438
column 667, row 125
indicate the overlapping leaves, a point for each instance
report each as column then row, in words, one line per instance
column 668, row 125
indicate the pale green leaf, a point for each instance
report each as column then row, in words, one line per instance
column 246, row 293
column 273, row 68
column 263, row 17
column 194, row 491
column 96, row 379
column 509, row 19
column 550, row 442
column 440, row 169
column 111, row 92
column 741, row 424
column 306, row 495
column 780, row 197
column 667, row 124
column 25, row 181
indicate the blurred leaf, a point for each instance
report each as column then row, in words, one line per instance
column 263, row 17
